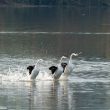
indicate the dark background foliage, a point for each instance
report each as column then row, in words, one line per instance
column 80, row 3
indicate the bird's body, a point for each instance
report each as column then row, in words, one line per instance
column 68, row 69
column 56, row 71
column 34, row 70
column 69, row 66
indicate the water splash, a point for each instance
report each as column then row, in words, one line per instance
column 14, row 69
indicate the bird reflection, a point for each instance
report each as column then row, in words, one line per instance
column 49, row 95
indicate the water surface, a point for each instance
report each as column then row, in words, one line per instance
column 29, row 34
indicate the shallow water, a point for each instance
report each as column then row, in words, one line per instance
column 87, row 88
column 26, row 37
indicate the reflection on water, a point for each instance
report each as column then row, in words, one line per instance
column 49, row 95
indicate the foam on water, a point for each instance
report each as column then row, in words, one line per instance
column 14, row 69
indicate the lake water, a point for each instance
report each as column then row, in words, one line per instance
column 29, row 34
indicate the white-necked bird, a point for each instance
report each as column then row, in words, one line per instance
column 56, row 71
column 68, row 67
column 34, row 70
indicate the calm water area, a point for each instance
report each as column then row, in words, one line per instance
column 28, row 34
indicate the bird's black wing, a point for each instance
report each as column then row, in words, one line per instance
column 63, row 65
column 30, row 68
column 53, row 69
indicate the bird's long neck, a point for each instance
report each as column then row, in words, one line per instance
column 61, row 60
column 36, row 65
column 71, row 57
column 70, row 60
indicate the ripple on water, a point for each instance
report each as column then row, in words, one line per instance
column 3, row 108
column 14, row 69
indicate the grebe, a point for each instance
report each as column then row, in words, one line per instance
column 56, row 71
column 34, row 70
column 68, row 67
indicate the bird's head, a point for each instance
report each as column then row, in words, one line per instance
column 76, row 54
